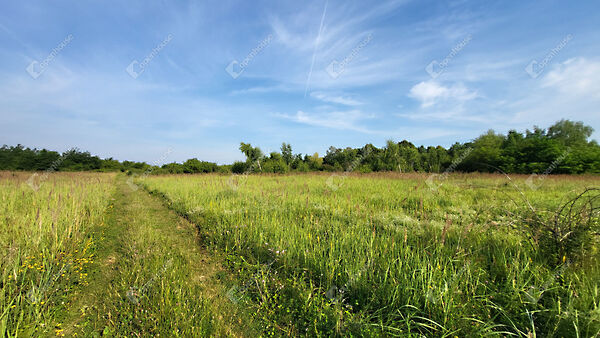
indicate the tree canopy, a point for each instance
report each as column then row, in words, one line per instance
column 563, row 148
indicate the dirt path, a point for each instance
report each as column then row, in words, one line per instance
column 152, row 277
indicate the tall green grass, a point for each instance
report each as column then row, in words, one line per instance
column 45, row 249
column 388, row 255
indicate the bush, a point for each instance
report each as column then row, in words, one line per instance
column 239, row 167
column 275, row 166
column 364, row 169
column 224, row 169
column 303, row 167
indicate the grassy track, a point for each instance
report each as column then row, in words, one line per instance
column 151, row 277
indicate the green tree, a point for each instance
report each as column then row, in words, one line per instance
column 569, row 133
column 487, row 153
column 275, row 164
column 286, row 152
column 252, row 154
column 314, row 162
column 194, row 166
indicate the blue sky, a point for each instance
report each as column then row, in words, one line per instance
column 311, row 73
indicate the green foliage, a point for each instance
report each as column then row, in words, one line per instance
column 275, row 164
column 194, row 166
column 173, row 168
column 252, row 154
column 303, row 167
column 239, row 167
column 286, row 153
column 561, row 149
column 570, row 134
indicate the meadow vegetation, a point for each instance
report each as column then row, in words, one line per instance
column 388, row 254
column 46, row 249
column 86, row 255
column 329, row 254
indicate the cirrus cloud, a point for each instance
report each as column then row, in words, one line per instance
column 343, row 120
column 336, row 98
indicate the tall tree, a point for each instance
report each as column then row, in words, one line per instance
column 252, row 154
column 286, row 153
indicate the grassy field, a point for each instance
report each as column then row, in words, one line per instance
column 46, row 249
column 89, row 255
column 317, row 254
column 395, row 254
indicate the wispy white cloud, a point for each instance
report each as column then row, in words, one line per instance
column 336, row 98
column 446, row 115
column 264, row 89
column 342, row 120
column 343, row 29
column 343, row 23
column 431, row 92
column 576, row 77
column 571, row 89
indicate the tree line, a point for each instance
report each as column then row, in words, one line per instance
column 563, row 148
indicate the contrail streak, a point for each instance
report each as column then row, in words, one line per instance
column 315, row 50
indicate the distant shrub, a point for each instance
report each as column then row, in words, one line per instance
column 275, row 166
column 239, row 167
column 364, row 169
column 303, row 167
column 224, row 169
